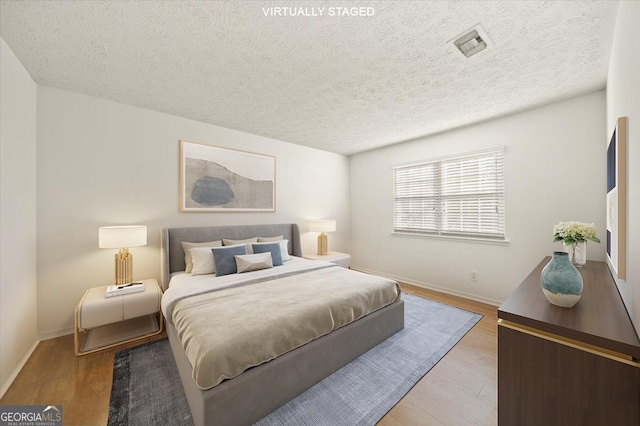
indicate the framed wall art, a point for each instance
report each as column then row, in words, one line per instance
column 214, row 179
column 617, row 199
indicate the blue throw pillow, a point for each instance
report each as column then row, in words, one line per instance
column 274, row 248
column 224, row 258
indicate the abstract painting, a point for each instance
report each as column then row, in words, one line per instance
column 214, row 179
column 617, row 199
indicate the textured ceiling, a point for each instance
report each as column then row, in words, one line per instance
column 340, row 83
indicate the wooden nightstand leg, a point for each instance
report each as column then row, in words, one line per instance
column 76, row 338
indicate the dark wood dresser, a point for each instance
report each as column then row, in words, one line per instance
column 568, row 366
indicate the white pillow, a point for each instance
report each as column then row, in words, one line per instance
column 202, row 261
column 253, row 262
column 284, row 247
column 186, row 246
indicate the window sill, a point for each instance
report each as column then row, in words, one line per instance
column 452, row 238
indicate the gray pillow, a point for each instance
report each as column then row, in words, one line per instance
column 224, row 258
column 274, row 248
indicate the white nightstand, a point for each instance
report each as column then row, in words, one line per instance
column 111, row 321
column 342, row 259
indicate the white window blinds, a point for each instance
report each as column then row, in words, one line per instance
column 456, row 196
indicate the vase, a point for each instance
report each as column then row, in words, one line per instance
column 578, row 253
column 561, row 281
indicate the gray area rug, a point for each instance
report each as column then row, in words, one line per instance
column 147, row 390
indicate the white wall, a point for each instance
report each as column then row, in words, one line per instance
column 623, row 100
column 103, row 163
column 554, row 171
column 18, row 290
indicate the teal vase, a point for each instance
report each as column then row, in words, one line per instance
column 561, row 281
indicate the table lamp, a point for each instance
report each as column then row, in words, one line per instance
column 122, row 237
column 323, row 226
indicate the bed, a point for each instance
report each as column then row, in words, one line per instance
column 247, row 397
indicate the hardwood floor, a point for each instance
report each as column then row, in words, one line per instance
column 460, row 390
column 53, row 375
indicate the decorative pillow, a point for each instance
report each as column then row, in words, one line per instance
column 273, row 248
column 187, row 254
column 224, row 258
column 228, row 242
column 253, row 262
column 284, row 248
column 247, row 242
column 270, row 239
column 202, row 261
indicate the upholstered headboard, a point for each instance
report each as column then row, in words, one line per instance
column 173, row 254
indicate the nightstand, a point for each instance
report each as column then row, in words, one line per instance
column 106, row 322
column 342, row 259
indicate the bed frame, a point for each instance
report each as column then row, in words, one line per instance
column 258, row 391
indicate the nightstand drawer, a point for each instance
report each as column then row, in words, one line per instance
column 96, row 310
column 105, row 322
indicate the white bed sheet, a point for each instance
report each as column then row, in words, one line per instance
column 183, row 278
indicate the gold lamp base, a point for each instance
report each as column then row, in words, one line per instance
column 124, row 266
column 323, row 244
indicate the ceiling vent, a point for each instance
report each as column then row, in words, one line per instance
column 472, row 41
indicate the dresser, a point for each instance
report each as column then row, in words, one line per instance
column 568, row 366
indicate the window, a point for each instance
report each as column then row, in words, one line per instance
column 461, row 196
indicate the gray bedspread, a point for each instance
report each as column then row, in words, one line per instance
column 232, row 328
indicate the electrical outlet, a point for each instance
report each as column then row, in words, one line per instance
column 473, row 276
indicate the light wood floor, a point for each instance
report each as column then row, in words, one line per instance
column 460, row 390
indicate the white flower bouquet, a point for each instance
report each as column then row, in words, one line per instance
column 571, row 233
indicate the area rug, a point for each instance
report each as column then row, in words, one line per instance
column 147, row 389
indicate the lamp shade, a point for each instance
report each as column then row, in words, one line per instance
column 122, row 236
column 322, row 226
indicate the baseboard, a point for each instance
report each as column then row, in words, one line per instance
column 16, row 371
column 55, row 333
column 466, row 295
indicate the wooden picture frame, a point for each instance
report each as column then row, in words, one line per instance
column 215, row 179
column 617, row 199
